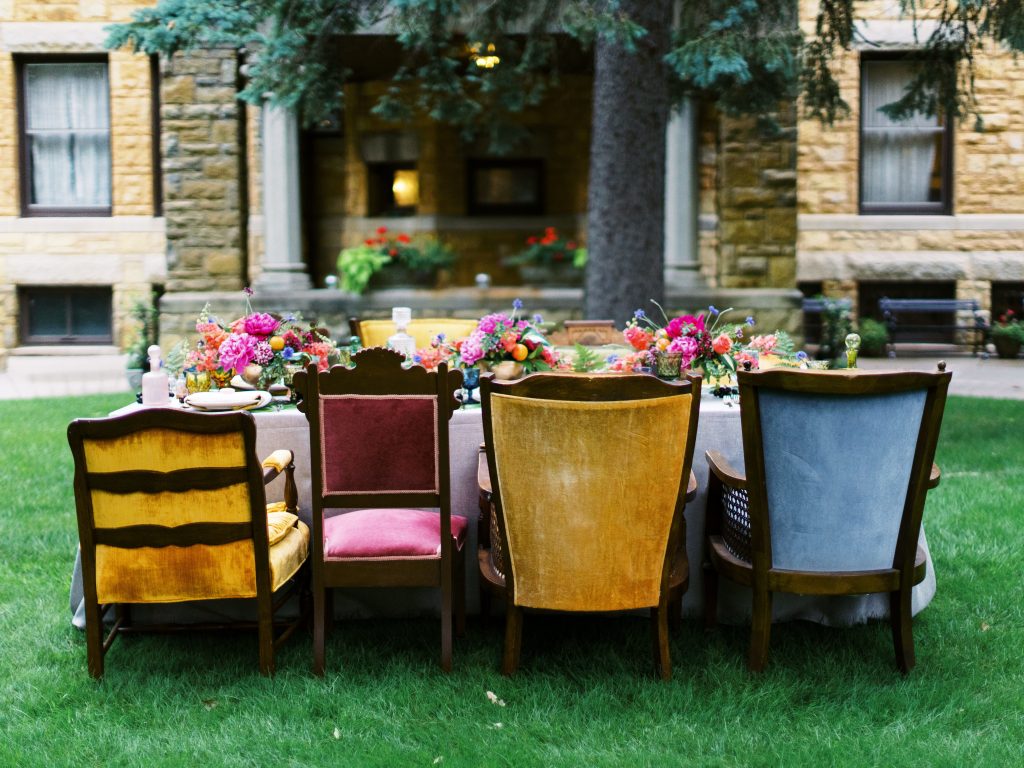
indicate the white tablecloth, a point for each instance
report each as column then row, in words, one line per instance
column 719, row 429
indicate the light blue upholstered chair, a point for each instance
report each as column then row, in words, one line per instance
column 837, row 467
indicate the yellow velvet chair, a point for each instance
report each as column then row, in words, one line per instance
column 171, row 508
column 589, row 476
column 375, row 333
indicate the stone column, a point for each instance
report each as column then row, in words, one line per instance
column 282, row 267
column 682, row 258
column 203, row 150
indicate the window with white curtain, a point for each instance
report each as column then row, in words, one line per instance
column 904, row 163
column 66, row 137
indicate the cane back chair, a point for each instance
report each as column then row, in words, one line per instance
column 171, row 508
column 588, row 478
column 838, row 464
column 379, row 441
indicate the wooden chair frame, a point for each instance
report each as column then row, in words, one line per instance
column 571, row 387
column 379, row 372
column 144, row 535
column 908, row 568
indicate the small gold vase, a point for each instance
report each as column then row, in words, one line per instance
column 667, row 364
column 197, row 381
column 220, row 378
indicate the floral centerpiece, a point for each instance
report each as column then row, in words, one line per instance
column 259, row 346
column 550, row 258
column 686, row 341
column 420, row 259
column 501, row 338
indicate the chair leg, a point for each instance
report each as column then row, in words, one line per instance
column 319, row 621
column 265, row 632
column 675, row 610
column 659, row 637
column 710, row 597
column 760, row 630
column 902, row 629
column 94, row 638
column 460, row 594
column 446, row 619
column 513, row 639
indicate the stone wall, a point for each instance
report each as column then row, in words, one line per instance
column 755, row 185
column 203, row 130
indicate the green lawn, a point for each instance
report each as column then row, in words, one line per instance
column 586, row 694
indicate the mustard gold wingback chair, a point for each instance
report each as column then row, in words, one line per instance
column 375, row 333
column 171, row 508
column 589, row 476
column 837, row 467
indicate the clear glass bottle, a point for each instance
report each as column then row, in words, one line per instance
column 401, row 341
column 155, row 384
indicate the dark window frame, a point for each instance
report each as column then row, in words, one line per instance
column 25, row 156
column 158, row 171
column 475, row 207
column 942, row 208
column 378, row 192
column 25, row 294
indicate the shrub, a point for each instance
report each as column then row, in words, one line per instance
column 874, row 336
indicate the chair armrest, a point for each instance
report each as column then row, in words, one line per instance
column 691, row 488
column 275, row 464
column 724, row 471
column 483, row 474
column 934, row 477
column 283, row 461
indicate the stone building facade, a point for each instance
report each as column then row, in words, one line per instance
column 76, row 264
column 971, row 247
column 208, row 195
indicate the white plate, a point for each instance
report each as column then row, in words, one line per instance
column 228, row 401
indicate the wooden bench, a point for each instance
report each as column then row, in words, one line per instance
column 966, row 315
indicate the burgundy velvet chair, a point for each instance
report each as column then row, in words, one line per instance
column 379, row 445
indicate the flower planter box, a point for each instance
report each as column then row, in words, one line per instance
column 551, row 275
column 402, row 277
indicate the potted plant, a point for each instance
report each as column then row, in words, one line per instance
column 550, row 260
column 392, row 260
column 143, row 334
column 1007, row 334
column 874, row 337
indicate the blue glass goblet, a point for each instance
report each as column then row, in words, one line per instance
column 470, row 382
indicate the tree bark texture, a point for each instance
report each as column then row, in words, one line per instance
column 626, row 196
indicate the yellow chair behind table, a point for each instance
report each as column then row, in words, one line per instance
column 171, row 508
column 589, row 477
column 375, row 333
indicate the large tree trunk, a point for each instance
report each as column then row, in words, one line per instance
column 626, row 206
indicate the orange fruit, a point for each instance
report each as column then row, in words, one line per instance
column 519, row 352
column 276, row 343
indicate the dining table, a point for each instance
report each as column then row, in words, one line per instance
column 284, row 426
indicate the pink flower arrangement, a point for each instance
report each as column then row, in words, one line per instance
column 499, row 337
column 710, row 346
column 262, row 339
